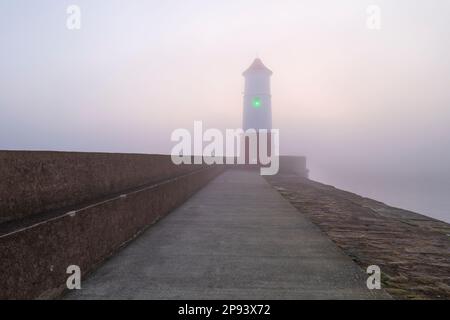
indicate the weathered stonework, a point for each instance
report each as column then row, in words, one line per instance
column 35, row 251
column 412, row 250
column 37, row 182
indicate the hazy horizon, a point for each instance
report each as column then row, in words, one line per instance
column 370, row 109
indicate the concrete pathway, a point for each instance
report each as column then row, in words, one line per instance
column 235, row 239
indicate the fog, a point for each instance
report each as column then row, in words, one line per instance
column 369, row 108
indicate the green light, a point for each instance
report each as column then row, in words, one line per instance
column 256, row 103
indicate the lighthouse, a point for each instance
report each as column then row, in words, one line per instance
column 257, row 113
column 257, row 97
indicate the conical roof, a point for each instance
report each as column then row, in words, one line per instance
column 257, row 66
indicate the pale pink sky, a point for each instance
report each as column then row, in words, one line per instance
column 343, row 95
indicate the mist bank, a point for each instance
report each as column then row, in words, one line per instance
column 424, row 193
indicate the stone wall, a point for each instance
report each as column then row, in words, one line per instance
column 294, row 165
column 36, row 182
column 287, row 165
column 62, row 209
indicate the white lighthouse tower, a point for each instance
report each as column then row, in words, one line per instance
column 257, row 119
column 257, row 97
